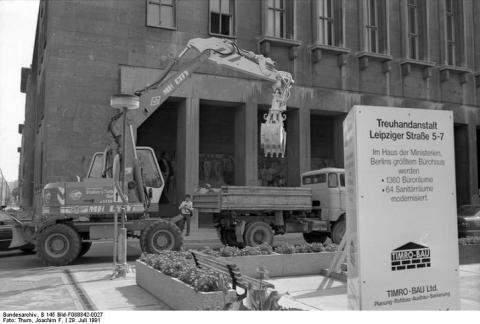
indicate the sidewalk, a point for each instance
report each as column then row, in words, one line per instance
column 310, row 293
column 83, row 287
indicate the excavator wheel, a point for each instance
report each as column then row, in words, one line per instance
column 159, row 236
column 258, row 233
column 58, row 245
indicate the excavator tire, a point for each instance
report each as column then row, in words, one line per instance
column 315, row 237
column 258, row 233
column 338, row 230
column 159, row 236
column 84, row 249
column 58, row 245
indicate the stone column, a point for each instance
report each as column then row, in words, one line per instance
column 188, row 127
column 298, row 144
column 338, row 140
column 473, row 161
column 246, row 144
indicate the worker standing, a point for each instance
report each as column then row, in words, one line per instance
column 186, row 210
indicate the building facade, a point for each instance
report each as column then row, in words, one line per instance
column 405, row 53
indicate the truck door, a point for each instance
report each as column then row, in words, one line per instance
column 341, row 177
column 334, row 193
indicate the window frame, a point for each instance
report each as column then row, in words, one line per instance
column 381, row 27
column 233, row 7
column 421, row 32
column 160, row 4
column 337, row 19
column 457, row 41
column 288, row 23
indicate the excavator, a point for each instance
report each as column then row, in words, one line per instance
column 75, row 214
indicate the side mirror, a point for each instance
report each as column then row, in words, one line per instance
column 150, row 193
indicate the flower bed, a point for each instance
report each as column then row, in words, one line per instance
column 173, row 278
column 469, row 250
column 281, row 261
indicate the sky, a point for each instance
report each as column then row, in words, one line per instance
column 18, row 19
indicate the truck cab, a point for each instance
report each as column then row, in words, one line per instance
column 328, row 196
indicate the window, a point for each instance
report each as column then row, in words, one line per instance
column 96, row 166
column 416, row 30
column 332, row 180
column 329, row 22
column 342, row 179
column 161, row 13
column 376, row 29
column 454, row 32
column 150, row 169
column 279, row 19
column 222, row 17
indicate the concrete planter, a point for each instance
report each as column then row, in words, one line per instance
column 469, row 253
column 176, row 293
column 283, row 265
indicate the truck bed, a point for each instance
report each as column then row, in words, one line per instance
column 249, row 198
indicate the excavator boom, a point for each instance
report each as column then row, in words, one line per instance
column 226, row 53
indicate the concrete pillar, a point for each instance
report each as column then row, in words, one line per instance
column 188, row 126
column 473, row 158
column 338, row 140
column 246, row 144
column 305, row 142
column 298, row 144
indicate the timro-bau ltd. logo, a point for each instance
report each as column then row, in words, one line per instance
column 410, row 256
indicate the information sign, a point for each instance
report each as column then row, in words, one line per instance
column 401, row 209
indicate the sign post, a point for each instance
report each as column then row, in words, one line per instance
column 401, row 209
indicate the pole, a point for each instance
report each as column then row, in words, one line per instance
column 123, row 231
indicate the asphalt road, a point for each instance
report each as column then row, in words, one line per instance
column 102, row 253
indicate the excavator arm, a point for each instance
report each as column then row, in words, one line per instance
column 223, row 52
column 226, row 53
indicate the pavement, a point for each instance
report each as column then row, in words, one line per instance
column 87, row 285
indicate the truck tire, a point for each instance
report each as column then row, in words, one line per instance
column 159, row 236
column 84, row 248
column 315, row 237
column 58, row 245
column 338, row 231
column 258, row 233
column 228, row 237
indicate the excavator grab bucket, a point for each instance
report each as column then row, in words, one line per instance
column 273, row 139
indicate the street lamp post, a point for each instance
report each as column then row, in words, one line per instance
column 124, row 102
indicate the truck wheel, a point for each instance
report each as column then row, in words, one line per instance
column 258, row 233
column 159, row 236
column 84, row 249
column 315, row 237
column 58, row 245
column 338, row 231
column 228, row 237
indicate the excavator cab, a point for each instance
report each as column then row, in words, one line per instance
column 104, row 165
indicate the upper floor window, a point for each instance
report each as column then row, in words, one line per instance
column 279, row 18
column 329, row 22
column 416, row 29
column 161, row 13
column 222, row 15
column 454, row 32
column 376, row 27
